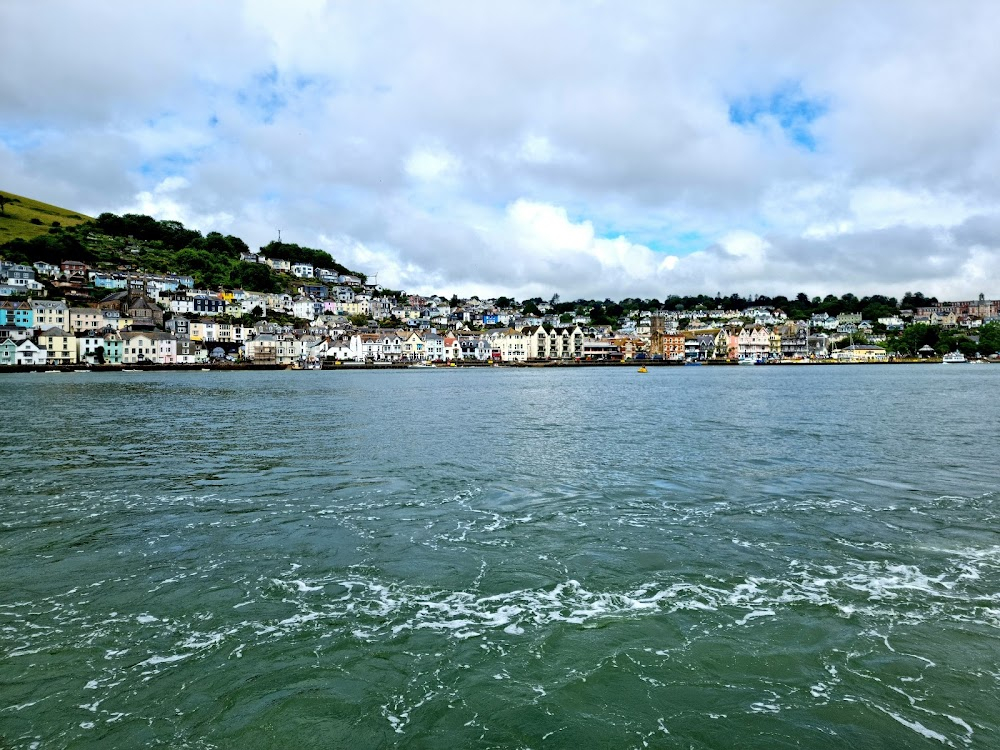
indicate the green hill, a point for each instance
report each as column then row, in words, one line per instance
column 26, row 218
column 32, row 231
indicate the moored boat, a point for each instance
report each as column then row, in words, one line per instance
column 954, row 358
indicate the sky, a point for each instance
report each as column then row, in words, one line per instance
column 531, row 148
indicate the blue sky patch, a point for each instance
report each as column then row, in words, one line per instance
column 792, row 110
column 271, row 92
column 167, row 165
column 264, row 96
column 21, row 140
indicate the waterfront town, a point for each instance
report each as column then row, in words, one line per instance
column 131, row 291
column 143, row 318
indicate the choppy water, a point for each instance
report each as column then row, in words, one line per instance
column 691, row 558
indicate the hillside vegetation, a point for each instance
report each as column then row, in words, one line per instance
column 25, row 218
column 138, row 242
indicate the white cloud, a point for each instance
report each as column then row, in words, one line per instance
column 431, row 164
column 168, row 201
column 517, row 146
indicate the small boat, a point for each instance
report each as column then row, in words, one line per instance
column 421, row 365
column 48, row 371
column 643, row 369
column 128, row 370
column 747, row 361
column 954, row 358
column 206, row 369
column 693, row 363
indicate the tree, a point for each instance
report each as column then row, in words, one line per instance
column 530, row 308
column 503, row 302
column 917, row 299
column 989, row 338
column 599, row 316
column 4, row 200
column 913, row 338
column 358, row 320
column 950, row 341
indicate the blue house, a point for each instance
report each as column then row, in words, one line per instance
column 20, row 314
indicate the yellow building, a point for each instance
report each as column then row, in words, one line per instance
column 60, row 346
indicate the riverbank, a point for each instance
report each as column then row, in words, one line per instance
column 247, row 366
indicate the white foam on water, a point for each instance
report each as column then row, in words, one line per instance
column 146, row 619
column 154, row 660
column 754, row 615
column 304, row 587
column 199, row 641
column 916, row 726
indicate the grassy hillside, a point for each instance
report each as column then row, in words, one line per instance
column 32, row 231
column 16, row 219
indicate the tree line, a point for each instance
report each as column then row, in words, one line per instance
column 212, row 260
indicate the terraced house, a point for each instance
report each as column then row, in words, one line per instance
column 50, row 314
column 20, row 314
column 148, row 346
column 60, row 345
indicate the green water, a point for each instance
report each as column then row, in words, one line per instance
column 692, row 558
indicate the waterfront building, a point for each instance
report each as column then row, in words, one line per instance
column 90, row 347
column 30, row 353
column 113, row 348
column 861, row 353
column 191, row 352
column 508, row 345
column 673, row 345
column 474, row 347
column 8, row 352
column 793, row 340
column 753, row 343
column 60, row 345
column 157, row 347
column 413, row 347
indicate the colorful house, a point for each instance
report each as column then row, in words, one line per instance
column 60, row 345
column 8, row 352
column 20, row 314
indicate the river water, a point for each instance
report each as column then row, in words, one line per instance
column 695, row 557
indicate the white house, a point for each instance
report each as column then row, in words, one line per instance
column 29, row 353
column 302, row 270
column 304, row 307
